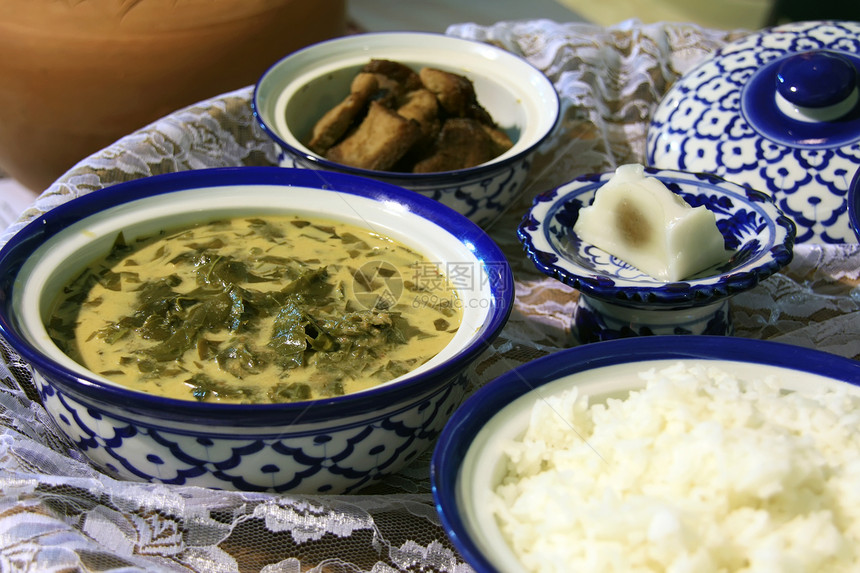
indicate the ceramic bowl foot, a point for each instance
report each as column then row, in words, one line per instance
column 596, row 320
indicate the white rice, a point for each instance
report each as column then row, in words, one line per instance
column 697, row 472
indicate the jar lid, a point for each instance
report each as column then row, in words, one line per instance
column 776, row 111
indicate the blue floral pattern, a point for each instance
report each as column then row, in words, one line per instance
column 722, row 118
column 591, row 325
column 482, row 198
column 344, row 459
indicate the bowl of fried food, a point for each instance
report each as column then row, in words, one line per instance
column 662, row 453
column 453, row 119
column 257, row 329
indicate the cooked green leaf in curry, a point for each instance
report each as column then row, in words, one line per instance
column 256, row 310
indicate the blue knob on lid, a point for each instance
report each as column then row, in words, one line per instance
column 818, row 86
column 816, row 79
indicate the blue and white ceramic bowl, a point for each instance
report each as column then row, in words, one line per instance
column 618, row 300
column 468, row 460
column 296, row 91
column 779, row 111
column 854, row 205
column 323, row 446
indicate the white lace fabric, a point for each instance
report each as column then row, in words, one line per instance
column 57, row 513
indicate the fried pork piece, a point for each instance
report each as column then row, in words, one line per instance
column 395, row 81
column 456, row 94
column 382, row 138
column 462, row 143
column 501, row 141
column 421, row 105
column 335, row 123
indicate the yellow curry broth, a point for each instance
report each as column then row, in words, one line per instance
column 257, row 310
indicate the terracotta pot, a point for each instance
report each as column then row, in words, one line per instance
column 76, row 76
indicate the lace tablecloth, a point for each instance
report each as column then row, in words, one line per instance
column 59, row 514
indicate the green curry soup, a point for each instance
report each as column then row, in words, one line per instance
column 256, row 310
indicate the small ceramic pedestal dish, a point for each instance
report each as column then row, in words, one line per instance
column 296, row 91
column 778, row 111
column 617, row 300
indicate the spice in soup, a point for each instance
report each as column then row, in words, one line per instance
column 257, row 310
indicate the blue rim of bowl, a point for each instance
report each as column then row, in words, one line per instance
column 412, row 180
column 478, row 409
column 24, row 242
column 652, row 293
column 854, row 204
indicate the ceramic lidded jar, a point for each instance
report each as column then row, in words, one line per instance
column 776, row 111
column 77, row 76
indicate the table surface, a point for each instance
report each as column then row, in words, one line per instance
column 60, row 514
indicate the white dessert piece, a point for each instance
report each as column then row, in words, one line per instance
column 640, row 221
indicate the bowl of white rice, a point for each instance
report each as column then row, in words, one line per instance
column 662, row 453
